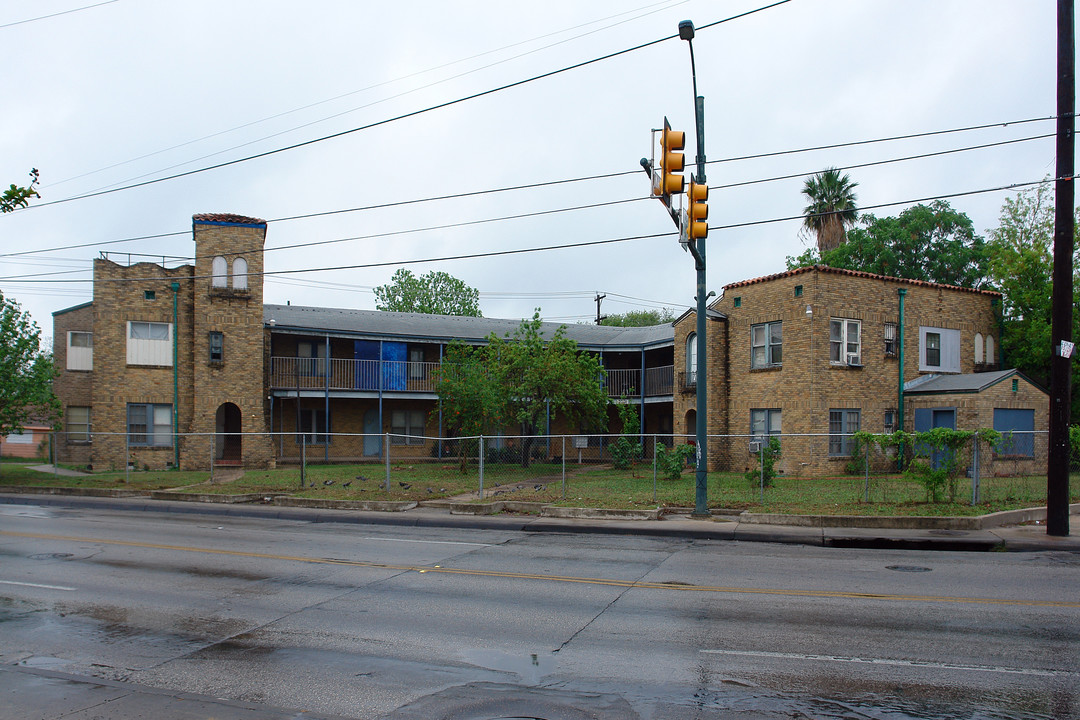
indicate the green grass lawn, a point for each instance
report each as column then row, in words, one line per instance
column 585, row 486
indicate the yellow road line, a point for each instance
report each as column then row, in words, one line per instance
column 553, row 578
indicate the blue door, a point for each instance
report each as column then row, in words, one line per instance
column 372, row 434
column 929, row 418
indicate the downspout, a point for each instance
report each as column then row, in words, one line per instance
column 900, row 359
column 176, row 376
column 326, row 404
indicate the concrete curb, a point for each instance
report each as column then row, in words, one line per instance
column 70, row 491
column 366, row 505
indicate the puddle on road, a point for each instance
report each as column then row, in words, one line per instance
column 530, row 668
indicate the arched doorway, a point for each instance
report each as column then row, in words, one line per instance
column 691, row 423
column 227, row 441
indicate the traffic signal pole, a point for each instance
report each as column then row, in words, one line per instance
column 697, row 248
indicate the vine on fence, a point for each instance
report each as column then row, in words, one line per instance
column 765, row 473
column 627, row 449
column 671, row 463
column 930, row 456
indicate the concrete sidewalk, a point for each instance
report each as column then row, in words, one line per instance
column 1022, row 534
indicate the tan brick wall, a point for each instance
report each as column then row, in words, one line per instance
column 120, row 297
column 238, row 315
column 73, row 387
column 806, row 385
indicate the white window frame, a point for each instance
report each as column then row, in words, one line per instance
column 948, row 350
column 843, row 423
column 20, row 437
column 80, row 350
column 691, row 360
column 314, row 427
column 407, row 427
column 157, row 426
column 890, row 339
column 417, row 371
column 765, row 422
column 78, row 424
column 771, row 348
column 239, row 274
column 842, row 349
column 145, row 346
column 219, row 272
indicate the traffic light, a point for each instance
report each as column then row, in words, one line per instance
column 671, row 162
column 697, row 214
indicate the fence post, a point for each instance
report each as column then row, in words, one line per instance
column 761, row 471
column 52, row 452
column 975, row 474
column 386, row 455
column 563, row 467
column 866, row 493
column 127, row 458
column 654, row 468
column 213, row 444
column 303, row 460
column 481, row 493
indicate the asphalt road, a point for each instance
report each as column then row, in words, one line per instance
column 270, row 618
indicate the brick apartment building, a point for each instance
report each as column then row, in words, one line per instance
column 174, row 366
column 820, row 353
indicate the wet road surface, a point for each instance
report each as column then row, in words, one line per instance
column 403, row 623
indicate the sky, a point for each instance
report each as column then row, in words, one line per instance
column 396, row 105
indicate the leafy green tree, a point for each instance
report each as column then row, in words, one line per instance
column 26, row 373
column 435, row 293
column 931, row 242
column 16, row 197
column 518, row 380
column 1021, row 263
column 640, row 318
column 830, row 208
column 539, row 377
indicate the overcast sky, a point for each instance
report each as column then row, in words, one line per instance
column 117, row 93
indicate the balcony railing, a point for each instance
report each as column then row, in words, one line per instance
column 290, row 373
column 386, row 375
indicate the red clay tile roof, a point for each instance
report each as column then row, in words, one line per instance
column 854, row 273
column 227, row 218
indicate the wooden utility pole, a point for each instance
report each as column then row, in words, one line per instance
column 1057, row 465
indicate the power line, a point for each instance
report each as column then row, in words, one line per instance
column 602, row 176
column 56, row 14
column 403, row 116
column 581, row 244
column 668, row 3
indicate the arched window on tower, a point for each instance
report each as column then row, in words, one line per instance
column 978, row 349
column 239, row 274
column 219, row 269
column 691, row 360
column 990, row 357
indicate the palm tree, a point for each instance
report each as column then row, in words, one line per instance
column 832, row 207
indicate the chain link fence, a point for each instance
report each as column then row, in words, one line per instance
column 745, row 470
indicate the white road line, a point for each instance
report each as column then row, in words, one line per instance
column 427, row 542
column 895, row 663
column 47, row 587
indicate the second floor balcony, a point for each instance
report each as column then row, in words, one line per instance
column 393, row 376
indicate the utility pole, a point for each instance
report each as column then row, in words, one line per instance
column 599, row 318
column 1057, row 465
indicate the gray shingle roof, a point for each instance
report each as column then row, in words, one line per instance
column 443, row 328
column 963, row 383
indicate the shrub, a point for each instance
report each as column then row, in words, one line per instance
column 671, row 463
column 765, row 472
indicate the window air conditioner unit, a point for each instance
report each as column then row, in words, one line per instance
column 755, row 446
column 854, row 360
